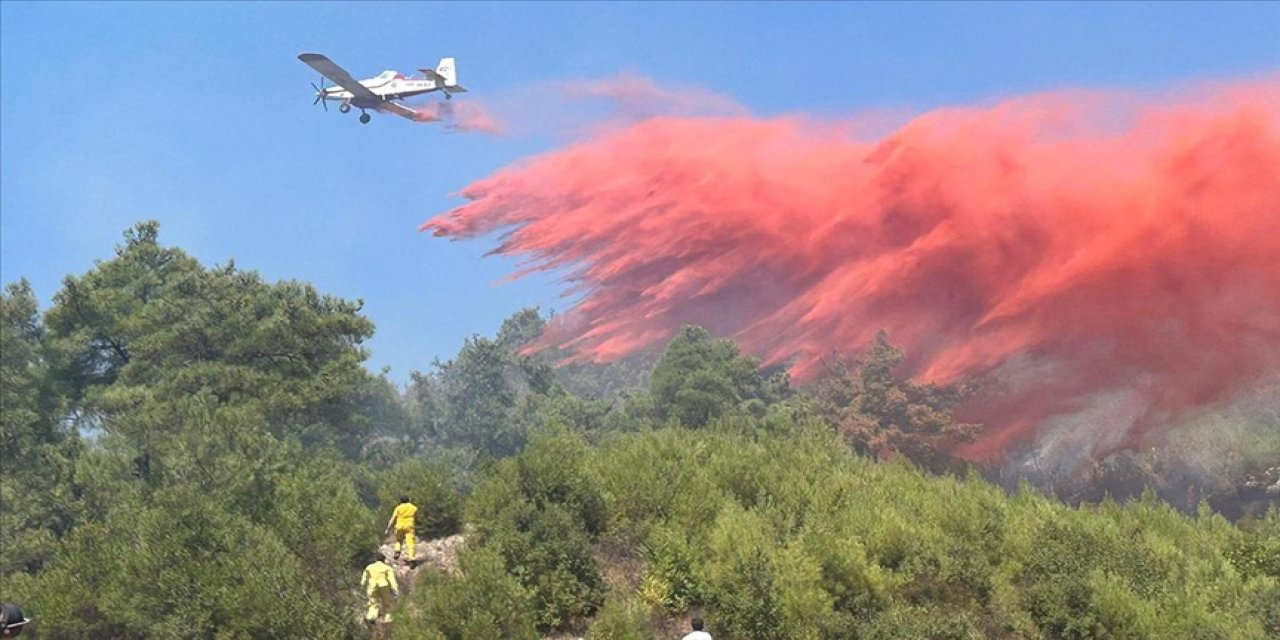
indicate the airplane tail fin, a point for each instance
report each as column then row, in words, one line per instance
column 449, row 71
column 446, row 76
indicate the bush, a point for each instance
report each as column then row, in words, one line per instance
column 659, row 478
column 319, row 517
column 553, row 470
column 428, row 487
column 485, row 602
column 671, row 580
column 1256, row 551
column 918, row 622
column 620, row 619
column 858, row 588
column 742, row 578
column 559, row 568
column 541, row 512
column 181, row 569
column 808, row 540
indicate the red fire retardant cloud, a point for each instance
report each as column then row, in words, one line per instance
column 1062, row 247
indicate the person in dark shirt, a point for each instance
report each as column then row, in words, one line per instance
column 11, row 620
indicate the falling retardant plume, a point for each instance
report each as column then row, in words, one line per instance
column 636, row 97
column 1098, row 262
column 469, row 115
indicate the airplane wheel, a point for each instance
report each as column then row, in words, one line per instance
column 448, row 96
column 343, row 108
column 364, row 118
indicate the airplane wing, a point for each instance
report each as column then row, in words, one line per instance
column 337, row 74
column 390, row 106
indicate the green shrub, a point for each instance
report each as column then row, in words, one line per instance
column 183, row 568
column 743, row 589
column 1261, row 601
column 779, row 533
column 428, row 487
column 553, row 470
column 319, row 517
column 558, row 567
column 485, row 602
column 858, row 587
column 540, row 512
column 658, row 478
column 745, row 598
column 620, row 619
column 1255, row 554
column 918, row 623
column 671, row 580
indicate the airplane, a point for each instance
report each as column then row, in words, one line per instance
column 382, row 91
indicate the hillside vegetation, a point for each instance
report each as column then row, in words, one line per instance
column 192, row 452
column 785, row 535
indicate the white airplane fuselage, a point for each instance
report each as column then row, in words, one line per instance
column 388, row 85
column 384, row 91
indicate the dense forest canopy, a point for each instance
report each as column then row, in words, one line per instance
column 194, row 452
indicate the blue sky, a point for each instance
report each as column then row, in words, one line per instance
column 199, row 115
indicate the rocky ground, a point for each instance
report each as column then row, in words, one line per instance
column 622, row 571
column 440, row 553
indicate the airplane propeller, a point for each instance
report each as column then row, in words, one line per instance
column 320, row 95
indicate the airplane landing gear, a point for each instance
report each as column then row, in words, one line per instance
column 364, row 118
column 344, row 107
column 448, row 96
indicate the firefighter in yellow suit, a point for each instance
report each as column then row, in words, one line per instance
column 402, row 518
column 379, row 582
